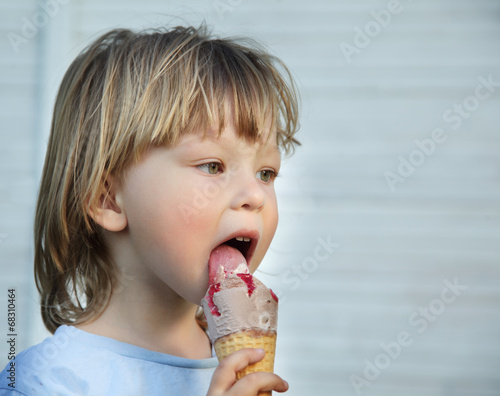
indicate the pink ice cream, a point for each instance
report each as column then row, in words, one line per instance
column 235, row 300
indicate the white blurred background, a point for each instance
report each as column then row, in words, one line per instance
column 387, row 258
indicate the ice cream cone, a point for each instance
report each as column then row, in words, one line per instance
column 266, row 340
column 241, row 311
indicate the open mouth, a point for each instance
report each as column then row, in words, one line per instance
column 241, row 244
column 245, row 244
column 233, row 254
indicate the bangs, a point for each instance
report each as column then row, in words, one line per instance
column 194, row 83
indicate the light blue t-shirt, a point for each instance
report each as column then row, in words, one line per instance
column 74, row 362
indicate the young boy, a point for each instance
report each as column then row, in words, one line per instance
column 163, row 146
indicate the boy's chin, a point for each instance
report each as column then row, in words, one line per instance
column 196, row 297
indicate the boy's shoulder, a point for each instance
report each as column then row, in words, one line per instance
column 47, row 367
column 73, row 362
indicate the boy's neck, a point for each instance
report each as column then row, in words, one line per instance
column 152, row 322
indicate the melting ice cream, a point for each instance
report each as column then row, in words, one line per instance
column 237, row 302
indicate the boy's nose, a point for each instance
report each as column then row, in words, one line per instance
column 249, row 194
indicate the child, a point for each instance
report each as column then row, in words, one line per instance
column 163, row 146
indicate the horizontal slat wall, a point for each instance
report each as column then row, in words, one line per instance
column 396, row 248
column 391, row 253
column 19, row 41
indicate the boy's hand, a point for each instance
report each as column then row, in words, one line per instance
column 224, row 379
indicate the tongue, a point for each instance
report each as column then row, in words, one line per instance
column 226, row 256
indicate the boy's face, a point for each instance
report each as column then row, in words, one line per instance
column 182, row 202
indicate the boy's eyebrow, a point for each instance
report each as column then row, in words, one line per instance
column 271, row 144
column 267, row 145
column 271, row 148
column 275, row 149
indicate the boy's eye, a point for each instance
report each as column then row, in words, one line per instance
column 211, row 167
column 266, row 175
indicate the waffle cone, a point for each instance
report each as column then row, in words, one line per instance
column 266, row 340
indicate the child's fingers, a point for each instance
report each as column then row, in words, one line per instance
column 261, row 381
column 225, row 375
column 224, row 378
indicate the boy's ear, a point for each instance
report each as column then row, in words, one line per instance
column 108, row 212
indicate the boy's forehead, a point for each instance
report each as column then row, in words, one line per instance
column 266, row 141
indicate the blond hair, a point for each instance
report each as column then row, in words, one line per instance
column 126, row 92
